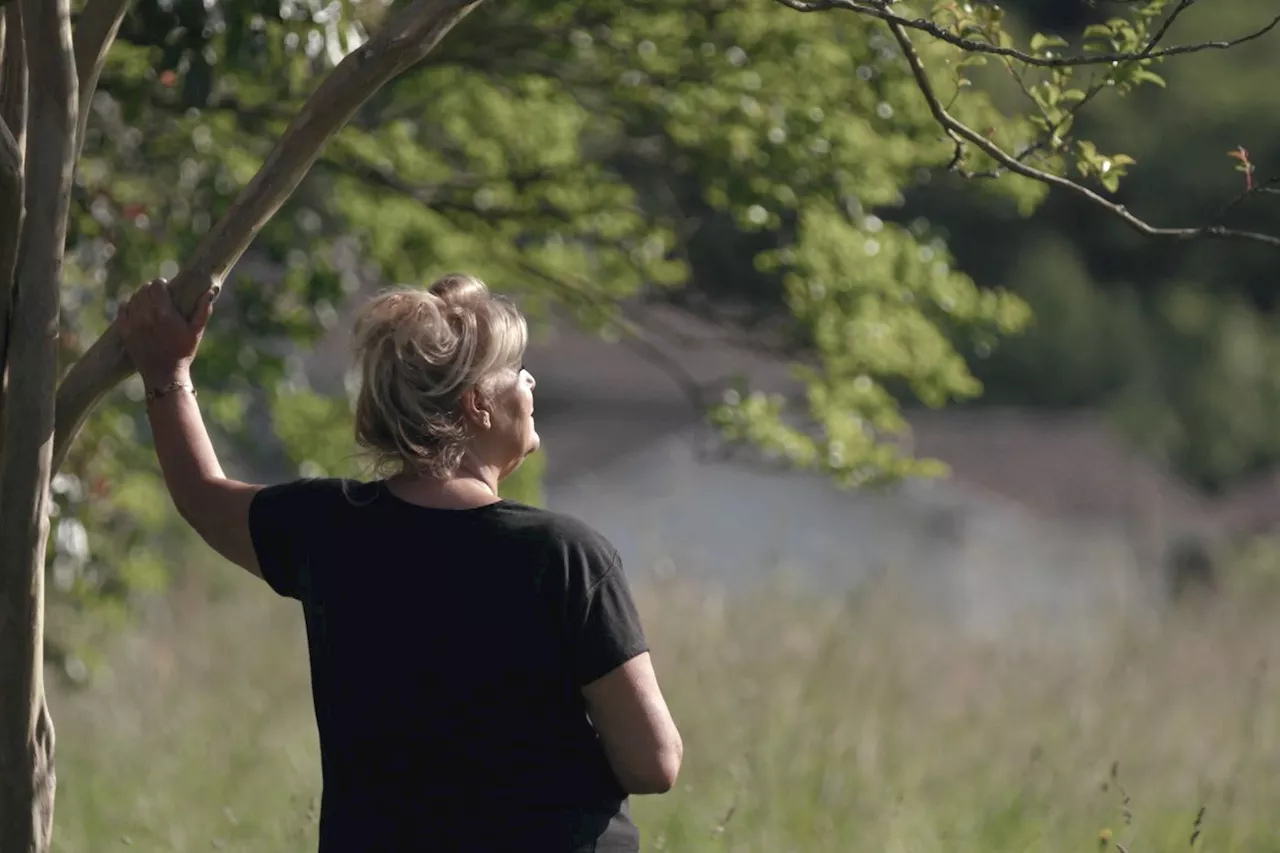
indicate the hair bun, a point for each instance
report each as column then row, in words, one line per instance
column 459, row 290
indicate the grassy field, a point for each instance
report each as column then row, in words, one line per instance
column 811, row 725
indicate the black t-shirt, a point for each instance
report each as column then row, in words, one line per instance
column 448, row 649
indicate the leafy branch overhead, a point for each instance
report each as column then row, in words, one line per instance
column 1118, row 55
column 599, row 156
column 578, row 155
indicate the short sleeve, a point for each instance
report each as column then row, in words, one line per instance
column 611, row 633
column 282, row 525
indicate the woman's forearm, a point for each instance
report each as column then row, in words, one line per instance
column 162, row 344
column 182, row 443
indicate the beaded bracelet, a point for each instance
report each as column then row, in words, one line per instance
column 176, row 385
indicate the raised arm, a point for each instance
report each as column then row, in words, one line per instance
column 162, row 346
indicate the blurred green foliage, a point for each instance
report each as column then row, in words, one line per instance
column 575, row 157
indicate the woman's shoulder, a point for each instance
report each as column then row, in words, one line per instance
column 313, row 495
column 320, row 488
column 562, row 531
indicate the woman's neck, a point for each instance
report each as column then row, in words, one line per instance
column 460, row 491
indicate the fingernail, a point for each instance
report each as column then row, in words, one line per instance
column 214, row 292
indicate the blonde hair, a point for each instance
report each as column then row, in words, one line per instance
column 418, row 352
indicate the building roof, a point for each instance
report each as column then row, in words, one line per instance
column 1058, row 463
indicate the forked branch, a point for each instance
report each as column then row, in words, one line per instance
column 95, row 31
column 404, row 41
column 882, row 9
column 963, row 135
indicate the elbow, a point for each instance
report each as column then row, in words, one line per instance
column 662, row 771
column 185, row 493
column 191, row 500
column 668, row 770
column 189, row 509
column 183, row 505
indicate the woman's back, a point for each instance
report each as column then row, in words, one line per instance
column 448, row 650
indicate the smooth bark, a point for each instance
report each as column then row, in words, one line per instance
column 27, row 780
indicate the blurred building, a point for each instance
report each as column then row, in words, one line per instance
column 1046, row 520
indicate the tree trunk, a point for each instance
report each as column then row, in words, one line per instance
column 27, row 780
column 13, row 142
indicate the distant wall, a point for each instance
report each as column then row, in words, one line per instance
column 985, row 566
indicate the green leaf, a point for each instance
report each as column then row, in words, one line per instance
column 1142, row 75
column 1041, row 42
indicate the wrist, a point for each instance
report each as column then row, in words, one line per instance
column 169, row 389
column 167, row 384
column 155, row 379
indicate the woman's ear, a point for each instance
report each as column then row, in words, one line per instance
column 476, row 409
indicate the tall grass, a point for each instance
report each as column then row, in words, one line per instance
column 811, row 724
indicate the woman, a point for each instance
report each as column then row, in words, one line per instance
column 480, row 676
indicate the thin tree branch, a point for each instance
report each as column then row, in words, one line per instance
column 403, row 42
column 636, row 338
column 427, row 195
column 434, row 196
column 13, row 121
column 26, row 731
column 438, row 196
column 961, row 134
column 1271, row 186
column 1098, row 84
column 1183, row 5
column 1046, row 142
column 880, row 9
column 95, row 31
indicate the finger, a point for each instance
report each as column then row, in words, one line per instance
column 160, row 302
column 139, row 309
column 204, row 310
column 167, row 308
